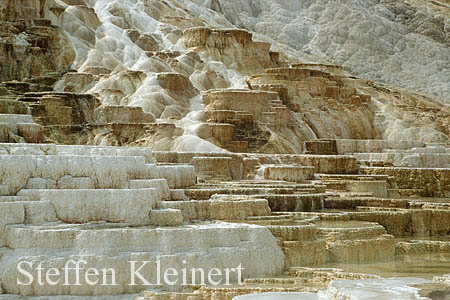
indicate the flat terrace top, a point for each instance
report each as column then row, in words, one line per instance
column 405, row 168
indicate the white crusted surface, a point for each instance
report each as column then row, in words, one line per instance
column 218, row 245
column 373, row 289
column 81, row 206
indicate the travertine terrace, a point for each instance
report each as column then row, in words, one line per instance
column 188, row 135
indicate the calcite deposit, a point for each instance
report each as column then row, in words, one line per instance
column 299, row 148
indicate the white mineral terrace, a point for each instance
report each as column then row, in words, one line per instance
column 224, row 150
column 108, row 206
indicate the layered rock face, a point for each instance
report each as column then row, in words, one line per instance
column 161, row 57
column 407, row 41
column 317, row 96
column 69, row 202
column 66, row 202
column 307, row 214
column 31, row 46
column 217, row 134
column 234, row 47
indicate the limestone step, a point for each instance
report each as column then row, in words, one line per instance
column 349, row 230
column 166, row 217
column 354, row 241
column 340, row 241
column 225, row 210
column 124, row 115
column 274, row 219
column 368, row 146
column 375, row 163
column 276, row 102
column 347, row 194
column 321, row 147
column 159, row 184
column 104, row 171
column 21, row 212
column 207, row 167
column 326, row 275
column 353, row 202
column 222, row 132
column 178, row 176
column 253, row 183
column 31, row 132
column 272, row 281
column 16, row 86
column 65, row 182
column 287, row 172
column 335, row 185
column 396, row 221
column 402, row 222
column 21, row 132
column 38, row 212
column 51, row 149
column 205, row 194
column 298, row 187
column 243, row 116
column 10, row 213
column 208, row 246
column 59, row 235
column 178, row 195
column 105, row 151
column 279, row 109
column 396, row 193
column 377, row 187
column 255, row 101
column 417, row 150
column 292, row 231
column 219, row 116
column 237, row 146
column 350, row 177
column 294, row 202
column 408, row 158
column 13, row 198
column 415, row 247
column 429, row 205
column 55, row 235
column 327, row 164
column 8, row 105
column 81, row 206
